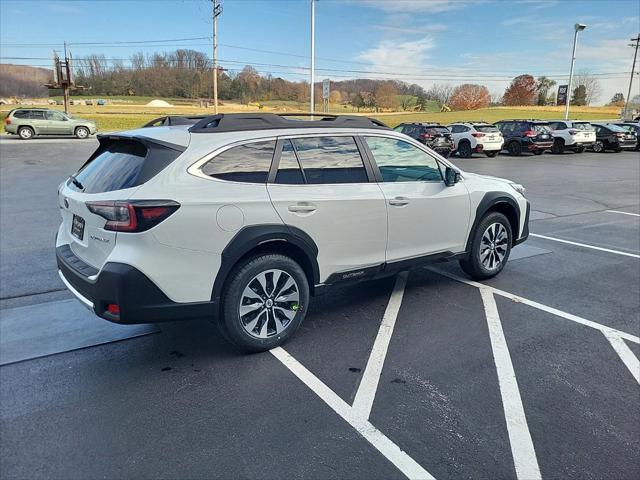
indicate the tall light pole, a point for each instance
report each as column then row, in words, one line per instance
column 633, row 68
column 578, row 27
column 217, row 10
column 313, row 55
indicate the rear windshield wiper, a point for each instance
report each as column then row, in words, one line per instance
column 76, row 182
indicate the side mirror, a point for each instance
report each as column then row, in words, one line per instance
column 451, row 177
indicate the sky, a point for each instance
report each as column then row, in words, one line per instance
column 418, row 41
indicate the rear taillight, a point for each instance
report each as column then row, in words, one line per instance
column 530, row 133
column 7, row 121
column 425, row 136
column 135, row 216
column 477, row 134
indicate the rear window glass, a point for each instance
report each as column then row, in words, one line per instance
column 582, row 126
column 615, row 128
column 540, row 127
column 438, row 131
column 119, row 164
column 486, row 128
column 247, row 163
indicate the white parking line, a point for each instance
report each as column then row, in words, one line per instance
column 569, row 316
column 593, row 247
column 624, row 213
column 524, row 454
column 407, row 465
column 625, row 354
column 366, row 393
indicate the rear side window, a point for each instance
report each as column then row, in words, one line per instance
column 247, row 163
column 289, row 171
column 327, row 160
column 122, row 163
column 36, row 115
column 21, row 114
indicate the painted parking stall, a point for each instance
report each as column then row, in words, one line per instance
column 533, row 374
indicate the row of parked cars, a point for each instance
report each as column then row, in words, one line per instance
column 519, row 136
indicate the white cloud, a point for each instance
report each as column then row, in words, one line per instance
column 400, row 57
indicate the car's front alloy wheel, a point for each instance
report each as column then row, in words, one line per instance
column 490, row 247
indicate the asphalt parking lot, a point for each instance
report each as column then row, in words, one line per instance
column 533, row 374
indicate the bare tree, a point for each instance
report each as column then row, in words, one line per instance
column 440, row 92
column 591, row 85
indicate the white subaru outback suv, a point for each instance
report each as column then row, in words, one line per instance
column 478, row 137
column 242, row 217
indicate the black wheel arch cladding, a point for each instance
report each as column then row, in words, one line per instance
column 268, row 237
column 500, row 202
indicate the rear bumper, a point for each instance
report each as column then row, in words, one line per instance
column 540, row 145
column 139, row 299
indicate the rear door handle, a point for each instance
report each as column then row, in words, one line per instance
column 399, row 202
column 302, row 208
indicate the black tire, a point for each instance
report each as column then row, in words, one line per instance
column 491, row 154
column 26, row 133
column 241, row 276
column 472, row 265
column 514, row 149
column 82, row 132
column 464, row 150
column 558, row 146
column 538, row 152
column 598, row 147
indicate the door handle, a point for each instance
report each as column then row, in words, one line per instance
column 302, row 208
column 399, row 202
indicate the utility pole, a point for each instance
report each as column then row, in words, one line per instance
column 313, row 55
column 216, row 10
column 633, row 68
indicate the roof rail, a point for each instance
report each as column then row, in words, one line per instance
column 169, row 120
column 233, row 122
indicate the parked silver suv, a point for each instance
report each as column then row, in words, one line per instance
column 30, row 122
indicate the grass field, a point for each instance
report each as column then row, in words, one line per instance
column 123, row 114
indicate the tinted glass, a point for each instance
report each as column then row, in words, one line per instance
column 486, row 128
column 55, row 116
column 37, row 115
column 115, row 167
column 248, row 163
column 289, row 172
column 21, row 114
column 615, row 128
column 328, row 160
column 438, row 131
column 400, row 161
column 582, row 126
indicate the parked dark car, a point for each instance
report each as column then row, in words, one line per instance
column 613, row 137
column 633, row 127
column 435, row 136
column 525, row 136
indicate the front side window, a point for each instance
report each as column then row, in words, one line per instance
column 55, row 116
column 327, row 160
column 400, row 161
column 247, row 163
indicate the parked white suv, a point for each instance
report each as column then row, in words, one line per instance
column 478, row 137
column 242, row 217
column 571, row 135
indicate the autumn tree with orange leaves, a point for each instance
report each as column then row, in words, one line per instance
column 470, row 97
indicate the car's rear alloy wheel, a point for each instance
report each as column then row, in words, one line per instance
column 558, row 146
column 25, row 133
column 82, row 132
column 464, row 150
column 264, row 302
column 598, row 147
column 514, row 149
column 269, row 303
column 490, row 247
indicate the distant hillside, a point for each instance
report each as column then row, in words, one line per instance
column 22, row 80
